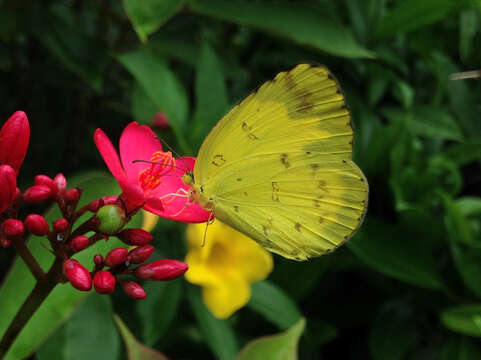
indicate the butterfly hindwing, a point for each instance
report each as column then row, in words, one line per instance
column 299, row 211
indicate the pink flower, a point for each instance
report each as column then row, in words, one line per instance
column 147, row 175
column 14, row 138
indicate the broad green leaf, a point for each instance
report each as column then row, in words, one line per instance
column 468, row 27
column 148, row 15
column 143, row 108
column 162, row 86
column 293, row 21
column 460, row 348
column 165, row 296
column 410, row 15
column 217, row 333
column 434, row 123
column 91, row 332
column 275, row 347
column 458, row 228
column 64, row 298
column 464, row 153
column 394, row 252
column 76, row 50
column 393, row 332
column 210, row 94
column 469, row 205
column 465, row 319
column 136, row 350
column 403, row 92
column 274, row 304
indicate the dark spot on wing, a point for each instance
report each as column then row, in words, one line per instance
column 218, row 160
column 236, row 208
column 275, row 191
column 297, row 226
column 239, row 179
column 290, row 81
column 284, row 160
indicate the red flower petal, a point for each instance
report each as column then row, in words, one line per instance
column 109, row 154
column 8, row 186
column 137, row 142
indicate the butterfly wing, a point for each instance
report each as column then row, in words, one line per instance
column 298, row 211
column 278, row 166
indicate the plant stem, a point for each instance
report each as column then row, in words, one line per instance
column 36, row 297
column 28, row 258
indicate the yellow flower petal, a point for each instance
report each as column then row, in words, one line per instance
column 149, row 221
column 224, row 300
column 225, row 265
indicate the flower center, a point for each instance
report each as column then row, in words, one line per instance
column 162, row 163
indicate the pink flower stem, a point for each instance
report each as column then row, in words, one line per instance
column 36, row 297
column 28, row 258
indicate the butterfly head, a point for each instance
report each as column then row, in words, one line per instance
column 197, row 193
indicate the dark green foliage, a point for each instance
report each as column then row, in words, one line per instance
column 407, row 286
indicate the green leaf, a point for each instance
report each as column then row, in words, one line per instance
column 434, row 123
column 465, row 319
column 60, row 304
column 274, row 304
column 217, row 333
column 396, row 252
column 162, row 86
column 459, row 348
column 136, row 350
column 464, row 153
column 393, row 329
column 410, row 15
column 77, row 51
column 468, row 27
column 90, row 332
column 143, row 108
column 275, row 347
column 294, row 21
column 210, row 93
column 469, row 205
column 165, row 296
column 148, row 15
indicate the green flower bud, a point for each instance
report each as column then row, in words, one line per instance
column 112, row 219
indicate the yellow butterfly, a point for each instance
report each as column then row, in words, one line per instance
column 278, row 167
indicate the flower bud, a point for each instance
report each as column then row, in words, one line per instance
column 60, row 225
column 72, row 196
column 13, row 227
column 95, row 205
column 61, row 183
column 116, row 256
column 77, row 274
column 134, row 290
column 37, row 193
column 4, row 242
column 112, row 219
column 47, row 181
column 8, row 186
column 140, row 254
column 109, row 200
column 98, row 259
column 14, row 138
column 165, row 269
column 160, row 121
column 36, row 224
column 135, row 237
column 104, row 282
column 79, row 243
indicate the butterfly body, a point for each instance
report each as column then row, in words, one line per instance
column 278, row 166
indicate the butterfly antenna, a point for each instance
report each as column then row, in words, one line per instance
column 174, row 152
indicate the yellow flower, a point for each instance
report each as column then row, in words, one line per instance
column 149, row 221
column 225, row 266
